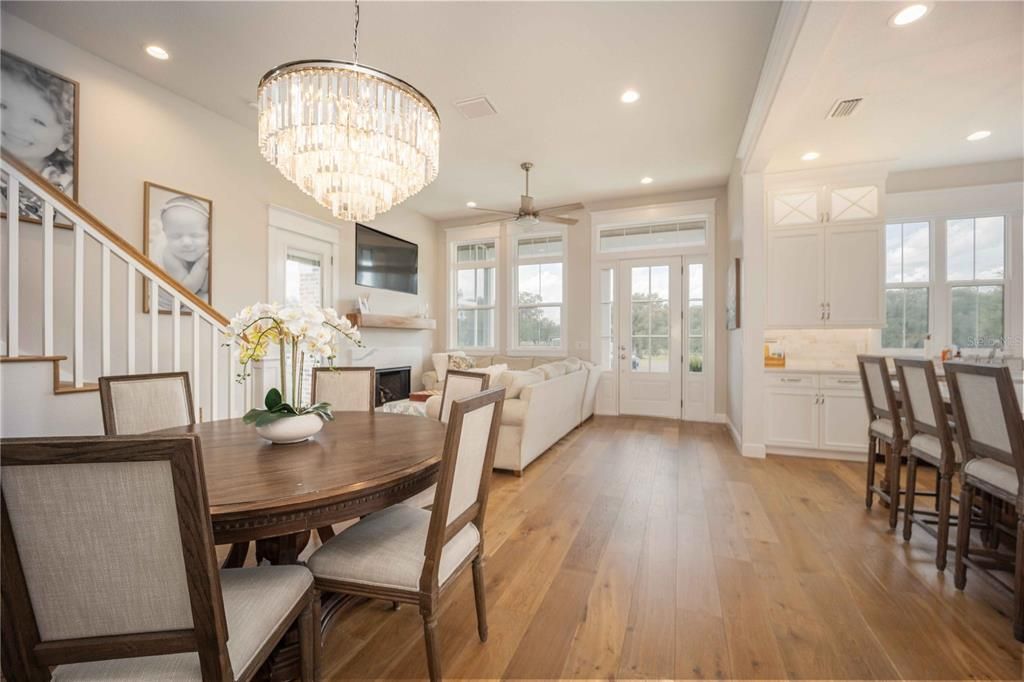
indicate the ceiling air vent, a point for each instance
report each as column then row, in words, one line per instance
column 476, row 107
column 844, row 108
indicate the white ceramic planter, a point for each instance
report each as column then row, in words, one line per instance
column 292, row 429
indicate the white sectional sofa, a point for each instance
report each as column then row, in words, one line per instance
column 543, row 403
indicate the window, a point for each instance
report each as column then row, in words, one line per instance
column 539, row 289
column 695, row 329
column 606, row 322
column 675, row 234
column 975, row 271
column 474, row 294
column 907, row 284
column 303, row 278
column 649, row 313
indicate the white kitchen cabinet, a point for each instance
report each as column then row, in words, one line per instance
column 796, row 207
column 844, row 420
column 854, row 293
column 795, row 285
column 791, row 417
column 855, row 203
column 808, row 412
column 808, row 205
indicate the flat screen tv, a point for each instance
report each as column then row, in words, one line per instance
column 385, row 262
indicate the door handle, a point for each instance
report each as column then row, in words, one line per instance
column 622, row 356
column 821, row 316
column 828, row 311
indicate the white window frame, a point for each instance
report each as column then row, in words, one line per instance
column 462, row 237
column 1004, row 282
column 516, row 234
column 939, row 206
column 931, row 286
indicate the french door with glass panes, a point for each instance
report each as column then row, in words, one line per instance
column 696, row 380
column 650, row 337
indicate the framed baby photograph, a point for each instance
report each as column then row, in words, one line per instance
column 39, row 124
column 177, row 236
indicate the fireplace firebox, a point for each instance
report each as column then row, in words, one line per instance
column 393, row 383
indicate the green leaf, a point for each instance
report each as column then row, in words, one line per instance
column 273, row 399
column 283, row 408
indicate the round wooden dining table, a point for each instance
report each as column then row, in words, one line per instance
column 359, row 463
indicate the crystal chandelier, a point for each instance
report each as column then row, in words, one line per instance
column 356, row 139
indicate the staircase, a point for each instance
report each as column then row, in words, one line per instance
column 73, row 299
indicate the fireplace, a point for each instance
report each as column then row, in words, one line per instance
column 393, row 383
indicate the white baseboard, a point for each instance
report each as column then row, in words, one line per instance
column 753, row 450
column 817, row 454
column 737, row 440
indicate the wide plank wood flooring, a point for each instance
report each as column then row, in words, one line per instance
column 643, row 548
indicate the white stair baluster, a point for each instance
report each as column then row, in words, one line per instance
column 195, row 358
column 175, row 333
column 231, row 384
column 79, row 353
column 105, row 311
column 13, row 248
column 154, row 326
column 47, row 278
column 130, row 317
column 214, row 378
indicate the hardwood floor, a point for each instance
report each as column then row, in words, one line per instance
column 642, row 548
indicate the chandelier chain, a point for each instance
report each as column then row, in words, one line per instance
column 355, row 36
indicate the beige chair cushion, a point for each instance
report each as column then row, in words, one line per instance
column 543, row 360
column 516, row 363
column 256, row 602
column 883, row 427
column 482, row 360
column 515, row 381
column 553, row 369
column 573, row 364
column 387, row 549
column 345, row 390
column 930, row 448
column 995, row 473
column 514, row 411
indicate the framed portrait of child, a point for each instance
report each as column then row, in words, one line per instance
column 176, row 235
column 39, row 121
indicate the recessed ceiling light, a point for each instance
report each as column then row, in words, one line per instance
column 157, row 52
column 979, row 135
column 910, row 14
column 630, row 96
column 646, row 180
column 471, row 204
column 810, row 156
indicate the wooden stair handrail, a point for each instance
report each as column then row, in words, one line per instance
column 75, row 208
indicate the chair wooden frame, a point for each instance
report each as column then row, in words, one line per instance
column 427, row 597
column 485, row 380
column 984, row 559
column 373, row 381
column 946, row 465
column 107, row 399
column 26, row 657
column 893, row 446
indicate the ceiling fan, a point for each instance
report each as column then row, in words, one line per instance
column 527, row 214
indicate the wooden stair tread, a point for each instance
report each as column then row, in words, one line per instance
column 32, row 358
column 69, row 387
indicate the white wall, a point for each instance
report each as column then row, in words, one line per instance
column 734, row 339
column 131, row 131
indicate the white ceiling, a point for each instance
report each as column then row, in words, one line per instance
column 926, row 86
column 554, row 71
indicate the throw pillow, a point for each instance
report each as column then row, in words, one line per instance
column 493, row 371
column 515, row 381
column 440, row 361
column 460, row 362
column 552, row 369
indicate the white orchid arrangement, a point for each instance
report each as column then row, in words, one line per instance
column 304, row 332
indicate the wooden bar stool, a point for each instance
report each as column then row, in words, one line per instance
column 991, row 434
column 885, row 427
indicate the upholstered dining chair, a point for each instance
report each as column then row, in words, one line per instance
column 929, row 439
column 139, row 403
column 990, row 431
column 110, row 571
column 409, row 555
column 458, row 384
column 347, row 389
column 885, row 427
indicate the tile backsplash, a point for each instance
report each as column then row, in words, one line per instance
column 837, row 347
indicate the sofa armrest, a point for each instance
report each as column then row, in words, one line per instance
column 433, row 406
column 429, row 379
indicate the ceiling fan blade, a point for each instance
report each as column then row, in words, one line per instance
column 470, row 221
column 567, row 208
column 556, row 219
column 495, row 210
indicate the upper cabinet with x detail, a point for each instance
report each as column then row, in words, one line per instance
column 824, row 204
